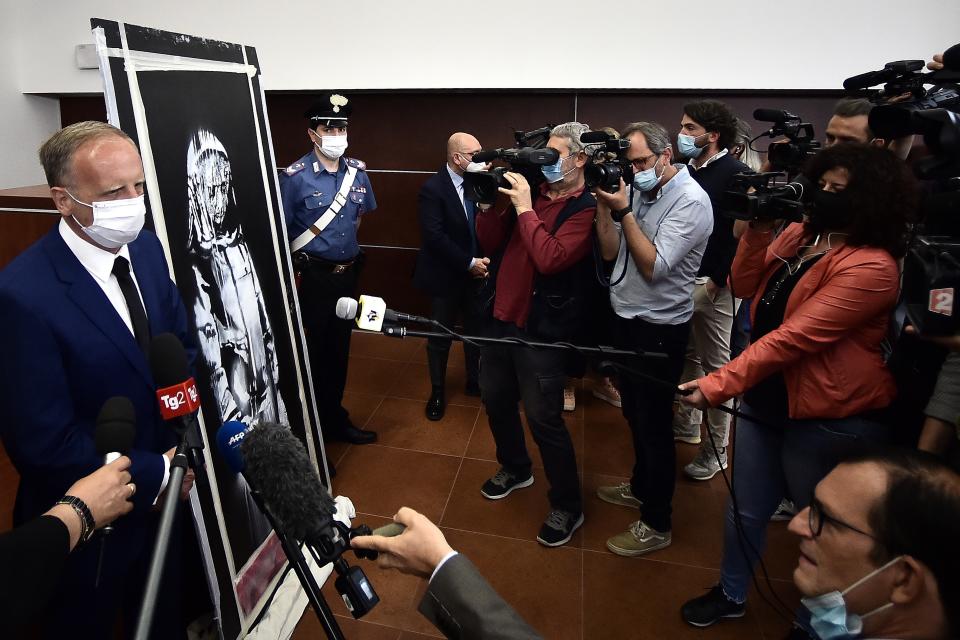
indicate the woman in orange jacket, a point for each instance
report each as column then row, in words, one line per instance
column 813, row 376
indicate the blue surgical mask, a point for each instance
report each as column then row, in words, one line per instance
column 647, row 180
column 828, row 612
column 554, row 172
column 687, row 145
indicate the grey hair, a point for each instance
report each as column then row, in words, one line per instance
column 57, row 152
column 572, row 132
column 658, row 140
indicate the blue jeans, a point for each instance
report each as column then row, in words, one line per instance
column 776, row 461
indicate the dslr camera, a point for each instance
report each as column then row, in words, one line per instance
column 526, row 158
column 787, row 156
column 608, row 161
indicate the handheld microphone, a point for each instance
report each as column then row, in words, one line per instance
column 371, row 312
column 114, row 432
column 177, row 392
column 229, row 437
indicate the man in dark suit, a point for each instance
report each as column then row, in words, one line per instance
column 448, row 265
column 77, row 312
column 458, row 601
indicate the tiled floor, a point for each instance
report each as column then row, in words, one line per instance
column 579, row 591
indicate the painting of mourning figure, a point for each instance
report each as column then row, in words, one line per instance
column 233, row 329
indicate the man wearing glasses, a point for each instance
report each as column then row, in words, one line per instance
column 878, row 550
column 449, row 264
column 656, row 233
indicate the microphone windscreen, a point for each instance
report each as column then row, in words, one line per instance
column 772, row 115
column 485, row 156
column 229, row 437
column 168, row 361
column 951, row 58
column 115, row 427
column 278, row 467
column 593, row 137
column 347, row 309
column 863, row 80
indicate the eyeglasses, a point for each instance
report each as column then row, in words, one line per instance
column 818, row 516
column 640, row 163
column 469, row 154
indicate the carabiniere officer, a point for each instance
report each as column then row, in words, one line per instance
column 324, row 195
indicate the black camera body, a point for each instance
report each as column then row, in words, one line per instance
column 608, row 161
column 526, row 158
column 788, row 156
column 759, row 196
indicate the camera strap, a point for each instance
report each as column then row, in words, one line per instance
column 327, row 216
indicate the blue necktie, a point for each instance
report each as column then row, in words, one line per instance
column 470, row 207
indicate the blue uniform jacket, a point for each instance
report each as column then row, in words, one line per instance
column 307, row 190
column 65, row 351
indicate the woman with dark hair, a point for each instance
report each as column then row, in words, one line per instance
column 813, row 377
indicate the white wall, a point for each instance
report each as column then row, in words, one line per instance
column 436, row 44
column 25, row 121
column 386, row 44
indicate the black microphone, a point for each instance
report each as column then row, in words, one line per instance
column 114, row 432
column 595, row 137
column 951, row 58
column 350, row 309
column 486, row 156
column 177, row 393
column 773, row 115
column 275, row 464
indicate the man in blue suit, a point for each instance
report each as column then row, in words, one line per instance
column 77, row 312
column 448, row 265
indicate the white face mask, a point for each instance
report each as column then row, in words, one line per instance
column 474, row 167
column 333, row 146
column 115, row 222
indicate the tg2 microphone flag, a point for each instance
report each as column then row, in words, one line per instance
column 177, row 393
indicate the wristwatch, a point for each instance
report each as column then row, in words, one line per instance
column 88, row 525
column 620, row 213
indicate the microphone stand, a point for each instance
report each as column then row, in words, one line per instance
column 299, row 563
column 178, row 467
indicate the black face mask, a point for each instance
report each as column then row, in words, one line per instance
column 830, row 211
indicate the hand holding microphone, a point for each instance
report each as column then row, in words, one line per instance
column 417, row 550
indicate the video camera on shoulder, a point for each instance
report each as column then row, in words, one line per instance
column 787, row 156
column 526, row 158
column 608, row 161
column 765, row 196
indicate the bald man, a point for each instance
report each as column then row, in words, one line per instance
column 449, row 266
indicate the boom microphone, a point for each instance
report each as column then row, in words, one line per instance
column 114, row 432
column 486, row 156
column 773, row 115
column 594, row 137
column 371, row 312
column 277, row 466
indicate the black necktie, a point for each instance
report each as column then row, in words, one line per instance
column 471, row 208
column 138, row 317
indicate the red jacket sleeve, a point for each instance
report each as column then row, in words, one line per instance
column 493, row 227
column 552, row 253
column 750, row 263
column 862, row 286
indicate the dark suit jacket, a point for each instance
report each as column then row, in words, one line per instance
column 446, row 243
column 463, row 606
column 65, row 351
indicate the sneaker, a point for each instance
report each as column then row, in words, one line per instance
column 620, row 494
column 710, row 608
column 686, row 433
column 785, row 511
column 607, row 392
column 500, row 485
column 569, row 398
column 638, row 540
column 705, row 466
column 558, row 528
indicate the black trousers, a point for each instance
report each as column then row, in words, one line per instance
column 648, row 408
column 328, row 339
column 511, row 374
column 445, row 310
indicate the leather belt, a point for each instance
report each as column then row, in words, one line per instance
column 303, row 261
